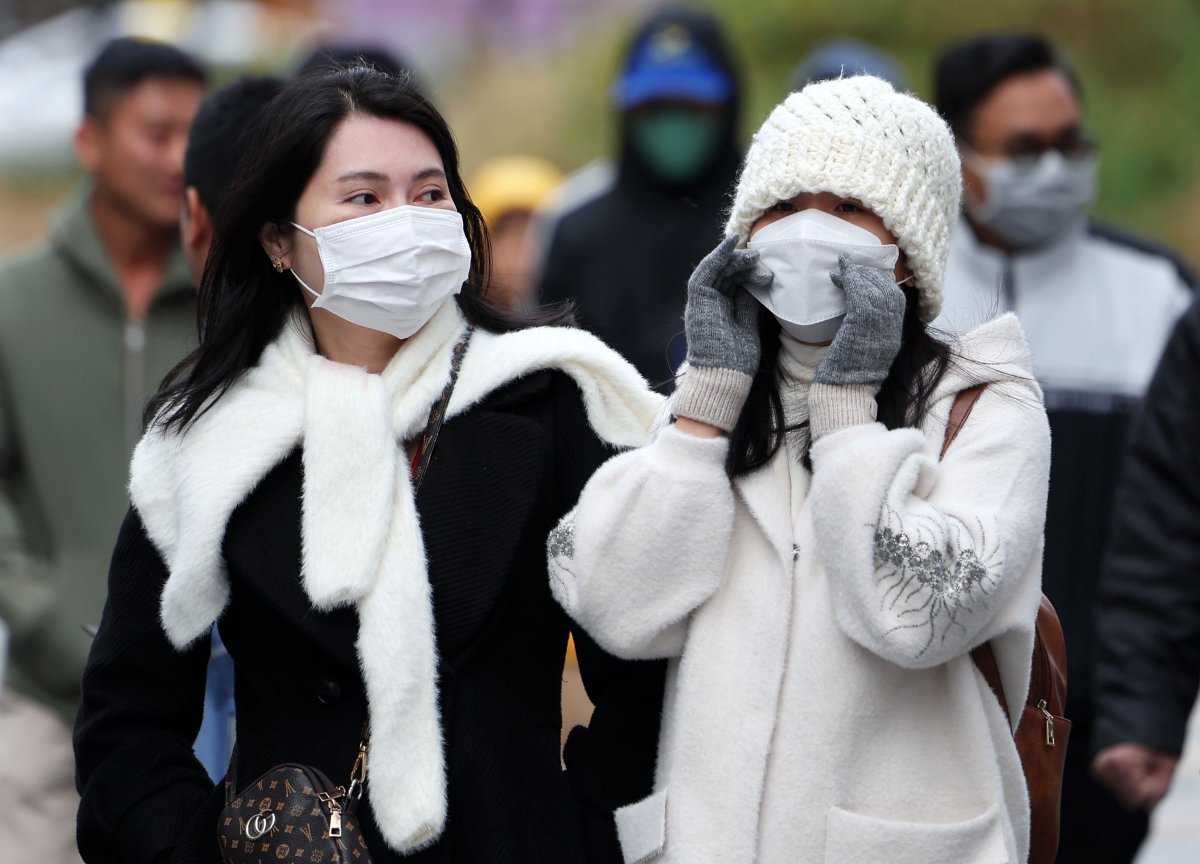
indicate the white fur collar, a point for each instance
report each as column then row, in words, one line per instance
column 994, row 352
column 361, row 536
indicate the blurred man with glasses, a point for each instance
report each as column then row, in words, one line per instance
column 1097, row 307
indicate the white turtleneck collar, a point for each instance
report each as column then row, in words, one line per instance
column 798, row 361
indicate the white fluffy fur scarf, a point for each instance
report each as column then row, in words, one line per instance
column 361, row 536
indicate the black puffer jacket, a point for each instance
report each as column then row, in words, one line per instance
column 1147, row 668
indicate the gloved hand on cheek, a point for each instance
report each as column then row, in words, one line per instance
column 862, row 352
column 721, row 324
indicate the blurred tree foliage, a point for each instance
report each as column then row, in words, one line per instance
column 1139, row 63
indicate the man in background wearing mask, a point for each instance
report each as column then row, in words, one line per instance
column 625, row 255
column 1096, row 307
column 89, row 323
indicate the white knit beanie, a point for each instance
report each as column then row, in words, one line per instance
column 859, row 138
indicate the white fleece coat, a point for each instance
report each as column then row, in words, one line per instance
column 361, row 536
column 822, row 705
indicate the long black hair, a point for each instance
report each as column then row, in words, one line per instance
column 903, row 399
column 243, row 304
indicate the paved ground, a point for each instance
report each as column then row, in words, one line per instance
column 1175, row 835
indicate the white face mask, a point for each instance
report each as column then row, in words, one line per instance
column 1031, row 203
column 391, row 271
column 801, row 252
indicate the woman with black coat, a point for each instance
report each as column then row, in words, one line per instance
column 367, row 570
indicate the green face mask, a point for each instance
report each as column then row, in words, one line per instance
column 676, row 143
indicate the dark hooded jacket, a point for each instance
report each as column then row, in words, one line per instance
column 625, row 255
column 1147, row 669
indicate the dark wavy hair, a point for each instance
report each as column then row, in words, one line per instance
column 903, row 399
column 967, row 72
column 243, row 303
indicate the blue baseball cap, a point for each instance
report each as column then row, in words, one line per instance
column 668, row 62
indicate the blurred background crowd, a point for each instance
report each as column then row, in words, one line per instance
column 532, row 76
column 600, row 141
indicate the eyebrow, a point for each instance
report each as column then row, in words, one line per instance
column 426, row 173
column 365, row 175
column 378, row 176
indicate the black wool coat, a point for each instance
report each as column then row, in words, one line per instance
column 501, row 476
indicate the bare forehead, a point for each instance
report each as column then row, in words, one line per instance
column 378, row 145
column 153, row 98
column 1039, row 103
column 111, row 96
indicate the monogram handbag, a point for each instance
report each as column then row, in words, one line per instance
column 294, row 813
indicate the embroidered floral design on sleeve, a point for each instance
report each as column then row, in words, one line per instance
column 560, row 548
column 933, row 575
column 561, row 541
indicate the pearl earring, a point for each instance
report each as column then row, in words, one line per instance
column 277, row 264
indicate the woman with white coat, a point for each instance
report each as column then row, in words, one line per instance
column 793, row 543
column 353, row 476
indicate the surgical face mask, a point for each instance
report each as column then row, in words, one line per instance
column 676, row 143
column 801, row 252
column 1030, row 203
column 391, row 271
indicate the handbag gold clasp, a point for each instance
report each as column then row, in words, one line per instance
column 358, row 774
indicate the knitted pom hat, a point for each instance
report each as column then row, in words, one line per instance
column 859, row 138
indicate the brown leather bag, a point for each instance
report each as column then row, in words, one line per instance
column 1042, row 731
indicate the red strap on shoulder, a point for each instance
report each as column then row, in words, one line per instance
column 416, row 459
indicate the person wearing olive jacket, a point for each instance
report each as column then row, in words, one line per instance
column 90, row 320
column 815, row 574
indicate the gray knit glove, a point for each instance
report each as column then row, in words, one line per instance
column 869, row 338
column 862, row 352
column 721, row 323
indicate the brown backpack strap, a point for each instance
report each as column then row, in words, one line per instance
column 983, row 655
column 985, row 659
column 959, row 412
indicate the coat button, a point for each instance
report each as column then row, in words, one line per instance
column 329, row 691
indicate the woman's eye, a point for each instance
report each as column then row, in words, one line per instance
column 432, row 195
column 784, row 207
column 848, row 207
column 364, row 198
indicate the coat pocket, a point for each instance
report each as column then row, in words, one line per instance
column 642, row 828
column 854, row 837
